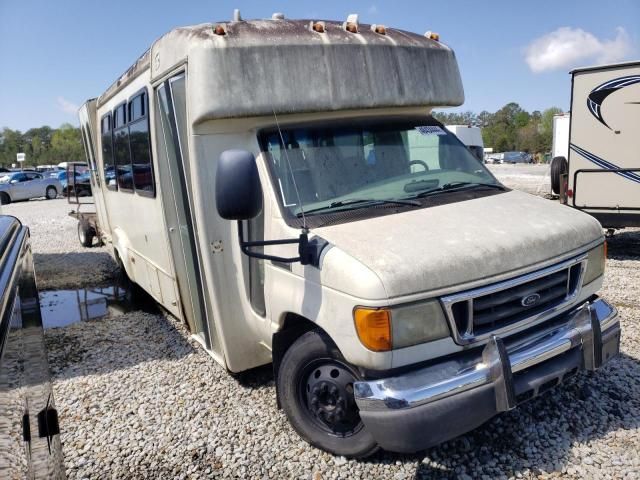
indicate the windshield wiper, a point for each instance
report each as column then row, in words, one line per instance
column 455, row 186
column 355, row 203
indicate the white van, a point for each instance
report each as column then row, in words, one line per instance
column 281, row 186
column 471, row 137
column 603, row 171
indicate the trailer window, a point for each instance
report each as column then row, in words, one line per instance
column 108, row 165
column 122, row 156
column 140, row 145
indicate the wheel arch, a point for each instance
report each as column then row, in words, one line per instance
column 293, row 327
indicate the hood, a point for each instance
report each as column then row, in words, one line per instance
column 464, row 242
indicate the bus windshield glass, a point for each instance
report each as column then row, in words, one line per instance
column 328, row 167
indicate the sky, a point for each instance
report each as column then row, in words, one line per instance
column 58, row 53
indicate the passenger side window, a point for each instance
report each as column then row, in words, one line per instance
column 121, row 152
column 140, row 145
column 108, row 164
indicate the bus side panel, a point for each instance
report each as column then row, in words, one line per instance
column 138, row 228
column 604, row 166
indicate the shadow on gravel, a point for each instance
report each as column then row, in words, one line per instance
column 538, row 435
column 624, row 245
column 73, row 269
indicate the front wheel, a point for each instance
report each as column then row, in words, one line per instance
column 315, row 388
column 51, row 193
column 4, row 199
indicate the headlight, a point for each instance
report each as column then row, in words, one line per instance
column 381, row 329
column 596, row 259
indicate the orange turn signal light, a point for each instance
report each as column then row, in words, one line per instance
column 374, row 328
column 219, row 30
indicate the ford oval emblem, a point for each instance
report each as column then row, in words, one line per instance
column 530, row 300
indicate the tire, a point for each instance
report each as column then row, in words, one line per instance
column 559, row 167
column 51, row 193
column 332, row 423
column 5, row 199
column 86, row 233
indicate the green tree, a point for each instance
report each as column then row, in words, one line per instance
column 66, row 144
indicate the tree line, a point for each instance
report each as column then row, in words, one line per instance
column 42, row 146
column 509, row 129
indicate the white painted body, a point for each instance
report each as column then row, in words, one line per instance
column 560, row 144
column 604, row 136
column 470, row 136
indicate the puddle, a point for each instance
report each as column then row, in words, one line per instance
column 64, row 307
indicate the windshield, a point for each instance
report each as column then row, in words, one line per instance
column 333, row 166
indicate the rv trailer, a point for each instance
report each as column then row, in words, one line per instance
column 603, row 173
column 281, row 186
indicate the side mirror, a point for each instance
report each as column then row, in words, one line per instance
column 238, row 189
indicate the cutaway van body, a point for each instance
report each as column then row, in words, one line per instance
column 604, row 166
column 282, row 188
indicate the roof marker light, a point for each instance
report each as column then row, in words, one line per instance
column 319, row 27
column 351, row 25
column 432, row 35
column 219, row 30
column 381, row 29
column 277, row 16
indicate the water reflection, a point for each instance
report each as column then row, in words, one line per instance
column 64, row 307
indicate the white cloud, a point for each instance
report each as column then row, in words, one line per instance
column 66, row 106
column 372, row 10
column 567, row 47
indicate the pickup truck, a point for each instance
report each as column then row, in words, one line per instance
column 29, row 432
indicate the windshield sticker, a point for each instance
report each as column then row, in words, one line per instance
column 431, row 130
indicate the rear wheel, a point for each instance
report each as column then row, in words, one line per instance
column 51, row 193
column 315, row 388
column 86, row 234
column 559, row 167
column 4, row 198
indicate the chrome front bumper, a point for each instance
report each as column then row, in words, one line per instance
column 504, row 373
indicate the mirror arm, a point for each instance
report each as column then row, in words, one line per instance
column 302, row 243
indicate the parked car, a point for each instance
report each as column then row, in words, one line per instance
column 29, row 430
column 26, row 185
column 517, row 157
column 61, row 175
column 80, row 184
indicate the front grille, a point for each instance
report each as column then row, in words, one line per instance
column 483, row 311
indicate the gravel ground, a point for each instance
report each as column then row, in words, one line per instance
column 533, row 179
column 138, row 399
column 60, row 260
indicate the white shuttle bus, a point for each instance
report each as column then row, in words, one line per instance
column 281, row 186
column 603, row 172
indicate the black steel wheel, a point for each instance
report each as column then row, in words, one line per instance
column 315, row 389
column 5, row 199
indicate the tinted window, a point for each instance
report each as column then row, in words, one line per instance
column 122, row 157
column 107, row 153
column 119, row 117
column 136, row 107
column 140, row 145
